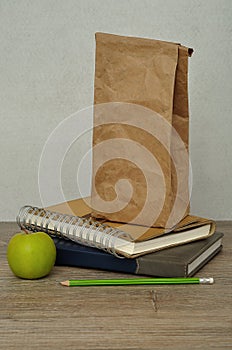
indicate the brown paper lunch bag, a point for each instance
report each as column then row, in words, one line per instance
column 140, row 135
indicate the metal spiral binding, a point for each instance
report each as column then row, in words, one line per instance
column 71, row 227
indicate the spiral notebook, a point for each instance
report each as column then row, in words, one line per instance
column 93, row 233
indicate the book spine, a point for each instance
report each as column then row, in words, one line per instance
column 92, row 258
column 81, row 230
column 161, row 267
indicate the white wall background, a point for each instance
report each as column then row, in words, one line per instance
column 47, row 70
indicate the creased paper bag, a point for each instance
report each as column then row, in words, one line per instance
column 140, row 137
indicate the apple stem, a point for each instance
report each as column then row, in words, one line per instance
column 25, row 231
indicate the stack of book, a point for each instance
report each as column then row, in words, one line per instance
column 84, row 242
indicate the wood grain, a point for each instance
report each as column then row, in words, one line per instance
column 42, row 314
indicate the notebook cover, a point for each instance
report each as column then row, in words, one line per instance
column 80, row 207
column 170, row 262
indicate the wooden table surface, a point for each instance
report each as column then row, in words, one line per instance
column 42, row 314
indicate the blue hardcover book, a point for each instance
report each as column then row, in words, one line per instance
column 180, row 261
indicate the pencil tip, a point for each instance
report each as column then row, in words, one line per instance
column 65, row 283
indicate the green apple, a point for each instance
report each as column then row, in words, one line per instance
column 31, row 255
